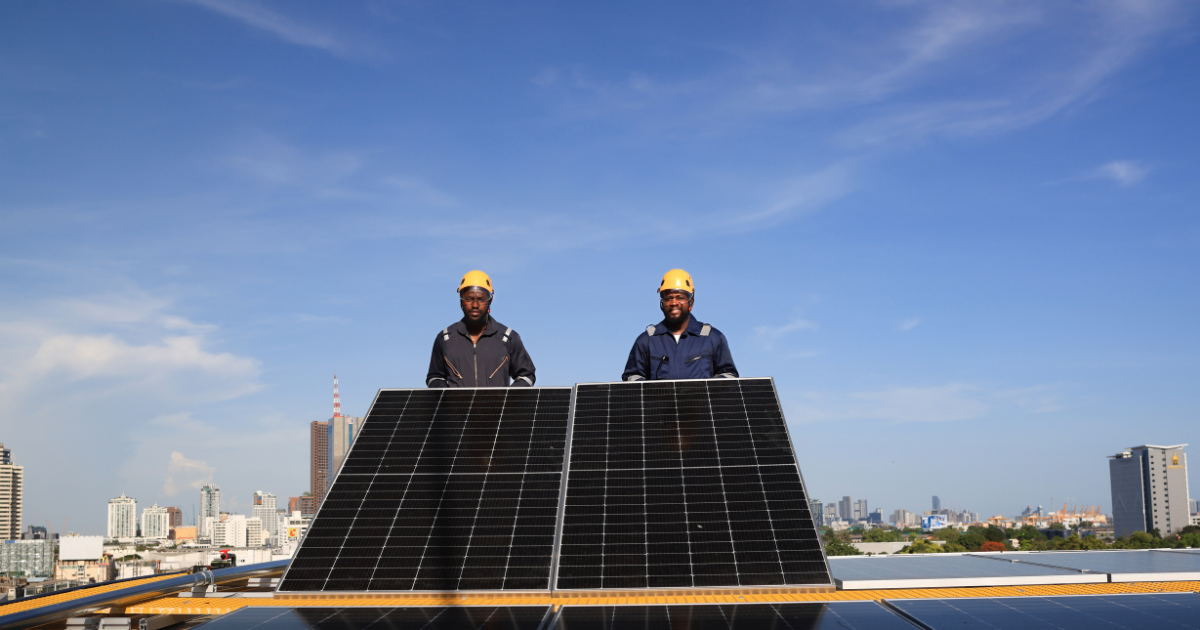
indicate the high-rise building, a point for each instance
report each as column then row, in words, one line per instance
column 860, row 510
column 1149, row 489
column 937, row 503
column 254, row 532
column 818, row 512
column 12, row 494
column 304, row 504
column 319, row 459
column 229, row 530
column 266, row 510
column 844, row 509
column 342, row 431
column 122, row 517
column 156, row 522
column 176, row 515
column 904, row 518
column 210, row 507
column 1194, row 504
column 831, row 513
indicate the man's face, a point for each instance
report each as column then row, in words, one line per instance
column 475, row 304
column 675, row 305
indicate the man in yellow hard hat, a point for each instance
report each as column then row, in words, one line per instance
column 680, row 346
column 478, row 351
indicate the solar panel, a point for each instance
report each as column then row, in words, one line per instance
column 406, row 618
column 947, row 571
column 1122, row 566
column 1118, row 612
column 685, row 484
column 809, row 616
column 443, row 489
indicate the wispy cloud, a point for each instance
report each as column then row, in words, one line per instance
column 256, row 15
column 189, row 473
column 1123, row 172
column 909, row 324
column 769, row 335
column 940, row 403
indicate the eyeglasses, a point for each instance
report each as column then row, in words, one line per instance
column 475, row 300
column 675, row 297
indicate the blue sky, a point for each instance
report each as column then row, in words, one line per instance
column 962, row 236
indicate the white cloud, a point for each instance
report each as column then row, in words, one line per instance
column 909, row 324
column 941, row 403
column 254, row 14
column 1123, row 172
column 78, row 357
column 190, row 473
column 768, row 335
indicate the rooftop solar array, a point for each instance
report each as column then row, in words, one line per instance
column 1121, row 566
column 685, row 484
column 942, row 571
column 443, row 489
column 407, row 618
column 1177, row 611
column 808, row 616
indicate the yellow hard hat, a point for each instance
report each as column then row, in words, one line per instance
column 476, row 279
column 677, row 280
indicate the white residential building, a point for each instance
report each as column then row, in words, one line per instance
column 210, row 507
column 254, row 532
column 156, row 523
column 12, row 481
column 122, row 517
column 230, row 532
column 266, row 510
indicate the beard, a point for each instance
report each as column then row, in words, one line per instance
column 675, row 321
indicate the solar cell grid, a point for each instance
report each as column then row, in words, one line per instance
column 684, row 484
column 442, row 490
column 1119, row 612
column 407, row 618
column 809, row 616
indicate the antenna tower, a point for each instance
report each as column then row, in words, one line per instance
column 337, row 399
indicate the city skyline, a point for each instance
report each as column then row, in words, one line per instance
column 960, row 236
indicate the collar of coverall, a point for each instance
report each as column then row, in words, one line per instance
column 460, row 327
column 693, row 327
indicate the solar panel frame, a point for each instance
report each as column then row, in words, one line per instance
column 794, row 463
column 1038, row 612
column 356, row 444
column 343, row 617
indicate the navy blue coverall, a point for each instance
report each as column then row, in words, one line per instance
column 701, row 352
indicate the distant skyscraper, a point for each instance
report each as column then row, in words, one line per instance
column 176, row 517
column 254, row 532
column 818, row 512
column 210, row 507
column 230, row 532
column 1195, row 505
column 1149, row 489
column 937, row 503
column 860, row 509
column 122, row 517
column 156, row 522
column 265, row 509
column 342, row 430
column 845, row 509
column 12, row 495
column 319, row 459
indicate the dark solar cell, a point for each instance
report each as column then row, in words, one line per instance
column 809, row 616
column 1119, row 612
column 444, row 489
column 685, row 484
column 409, row 618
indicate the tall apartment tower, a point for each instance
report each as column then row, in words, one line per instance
column 937, row 503
column 156, row 522
column 860, row 509
column 265, row 510
column 210, row 507
column 1149, row 489
column 12, row 491
column 319, row 457
column 176, row 517
column 122, row 517
column 342, row 430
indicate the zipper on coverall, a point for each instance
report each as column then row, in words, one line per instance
column 475, row 360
